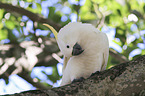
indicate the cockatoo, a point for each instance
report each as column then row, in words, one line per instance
column 85, row 50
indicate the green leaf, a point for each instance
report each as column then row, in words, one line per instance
column 121, row 34
column 117, row 42
column 51, row 12
column 144, row 8
column 10, row 24
column 76, row 7
column 3, row 34
column 57, row 17
column 129, row 49
column 119, row 12
column 107, row 19
column 143, row 52
column 30, row 1
column 1, row 13
column 86, row 11
column 1, row 25
column 55, row 76
column 39, row 8
column 13, row 39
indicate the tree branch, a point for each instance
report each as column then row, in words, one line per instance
column 31, row 15
column 126, row 79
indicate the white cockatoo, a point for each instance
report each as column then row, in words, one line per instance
column 85, row 50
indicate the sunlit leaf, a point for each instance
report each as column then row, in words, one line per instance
column 1, row 13
column 29, row 0
column 1, row 25
column 3, row 34
column 117, row 42
column 143, row 52
column 39, row 8
column 10, row 24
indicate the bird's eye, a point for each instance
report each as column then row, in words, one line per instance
column 67, row 46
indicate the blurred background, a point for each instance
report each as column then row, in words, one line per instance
column 29, row 56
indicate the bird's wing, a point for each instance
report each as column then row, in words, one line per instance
column 105, row 60
column 65, row 63
column 105, row 52
column 66, row 76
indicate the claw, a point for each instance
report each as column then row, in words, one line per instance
column 97, row 72
column 78, row 80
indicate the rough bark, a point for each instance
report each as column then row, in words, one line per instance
column 126, row 79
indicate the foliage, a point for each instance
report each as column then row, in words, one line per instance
column 125, row 17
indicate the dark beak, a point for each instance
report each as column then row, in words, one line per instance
column 77, row 50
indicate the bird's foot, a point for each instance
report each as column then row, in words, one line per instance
column 78, row 80
column 95, row 73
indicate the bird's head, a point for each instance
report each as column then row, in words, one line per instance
column 68, row 39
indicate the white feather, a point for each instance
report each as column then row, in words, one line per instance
column 95, row 55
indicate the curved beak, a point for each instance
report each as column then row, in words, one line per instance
column 77, row 49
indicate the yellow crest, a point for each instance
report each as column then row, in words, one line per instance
column 52, row 29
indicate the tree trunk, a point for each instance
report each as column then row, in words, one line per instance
column 126, row 79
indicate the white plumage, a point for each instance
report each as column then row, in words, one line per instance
column 85, row 50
